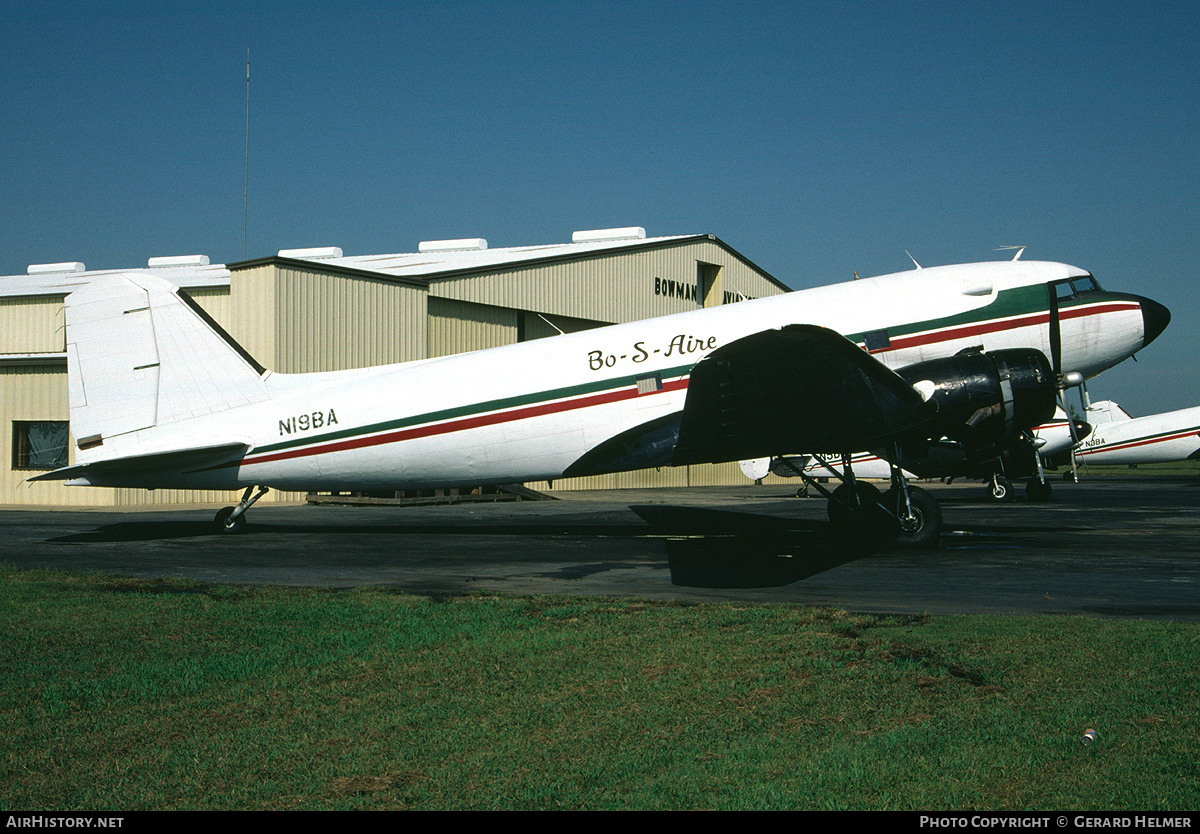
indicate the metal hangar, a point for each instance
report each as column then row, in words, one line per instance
column 319, row 310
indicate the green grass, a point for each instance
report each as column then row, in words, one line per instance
column 118, row 694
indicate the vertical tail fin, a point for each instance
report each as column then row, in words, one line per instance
column 141, row 353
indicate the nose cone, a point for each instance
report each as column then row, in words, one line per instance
column 1082, row 429
column 1155, row 318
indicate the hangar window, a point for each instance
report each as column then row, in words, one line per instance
column 39, row 444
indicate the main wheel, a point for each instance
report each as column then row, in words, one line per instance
column 868, row 523
column 226, row 524
column 926, row 528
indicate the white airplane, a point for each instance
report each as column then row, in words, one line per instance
column 161, row 397
column 1119, row 439
column 946, row 460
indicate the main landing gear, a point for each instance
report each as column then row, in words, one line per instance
column 907, row 515
column 233, row 519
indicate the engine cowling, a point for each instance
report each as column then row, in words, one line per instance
column 986, row 398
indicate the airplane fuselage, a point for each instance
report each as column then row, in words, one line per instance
column 526, row 412
column 1158, row 438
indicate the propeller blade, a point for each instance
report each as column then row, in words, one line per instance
column 1055, row 332
column 1056, row 365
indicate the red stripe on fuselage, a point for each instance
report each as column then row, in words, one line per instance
column 466, row 423
column 968, row 330
column 1132, row 444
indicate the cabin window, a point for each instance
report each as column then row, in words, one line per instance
column 877, row 340
column 39, row 444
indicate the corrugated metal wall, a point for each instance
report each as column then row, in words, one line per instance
column 459, row 327
column 296, row 320
column 31, row 392
column 618, row 287
column 32, row 325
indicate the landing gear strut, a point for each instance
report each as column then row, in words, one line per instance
column 233, row 519
column 908, row 516
column 1038, row 488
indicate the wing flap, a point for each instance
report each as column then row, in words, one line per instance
column 799, row 387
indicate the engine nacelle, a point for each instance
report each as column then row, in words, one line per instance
column 986, row 399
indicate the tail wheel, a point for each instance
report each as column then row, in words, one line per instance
column 228, row 524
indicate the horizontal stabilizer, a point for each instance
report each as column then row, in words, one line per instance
column 110, row 471
column 800, row 387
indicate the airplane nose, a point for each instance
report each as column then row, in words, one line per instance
column 1155, row 318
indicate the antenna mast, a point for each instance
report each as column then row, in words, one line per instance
column 246, row 194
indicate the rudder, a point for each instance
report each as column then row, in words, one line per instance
column 141, row 353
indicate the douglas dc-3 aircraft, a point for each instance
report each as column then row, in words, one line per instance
column 1118, row 439
column 161, row 397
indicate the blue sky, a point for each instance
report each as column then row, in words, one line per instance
column 817, row 139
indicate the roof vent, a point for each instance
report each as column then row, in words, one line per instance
column 463, row 245
column 629, row 232
column 178, row 260
column 48, row 269
column 312, row 254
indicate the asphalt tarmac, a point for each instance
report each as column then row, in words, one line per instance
column 1113, row 548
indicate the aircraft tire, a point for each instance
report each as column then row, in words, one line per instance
column 1000, row 489
column 869, row 525
column 227, row 525
column 928, row 513
column 1037, row 490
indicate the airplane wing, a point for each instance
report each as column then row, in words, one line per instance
column 189, row 459
column 799, row 387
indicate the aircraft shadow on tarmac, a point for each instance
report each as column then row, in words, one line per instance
column 139, row 531
column 705, row 548
column 722, row 549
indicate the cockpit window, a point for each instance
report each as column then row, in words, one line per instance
column 1070, row 288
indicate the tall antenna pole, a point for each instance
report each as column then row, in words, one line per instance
column 246, row 195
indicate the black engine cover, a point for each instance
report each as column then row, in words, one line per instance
column 986, row 399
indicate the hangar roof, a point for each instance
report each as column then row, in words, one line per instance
column 435, row 259
column 434, row 262
column 450, row 258
column 60, row 279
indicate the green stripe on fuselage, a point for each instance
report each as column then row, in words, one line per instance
column 1018, row 301
column 473, row 409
